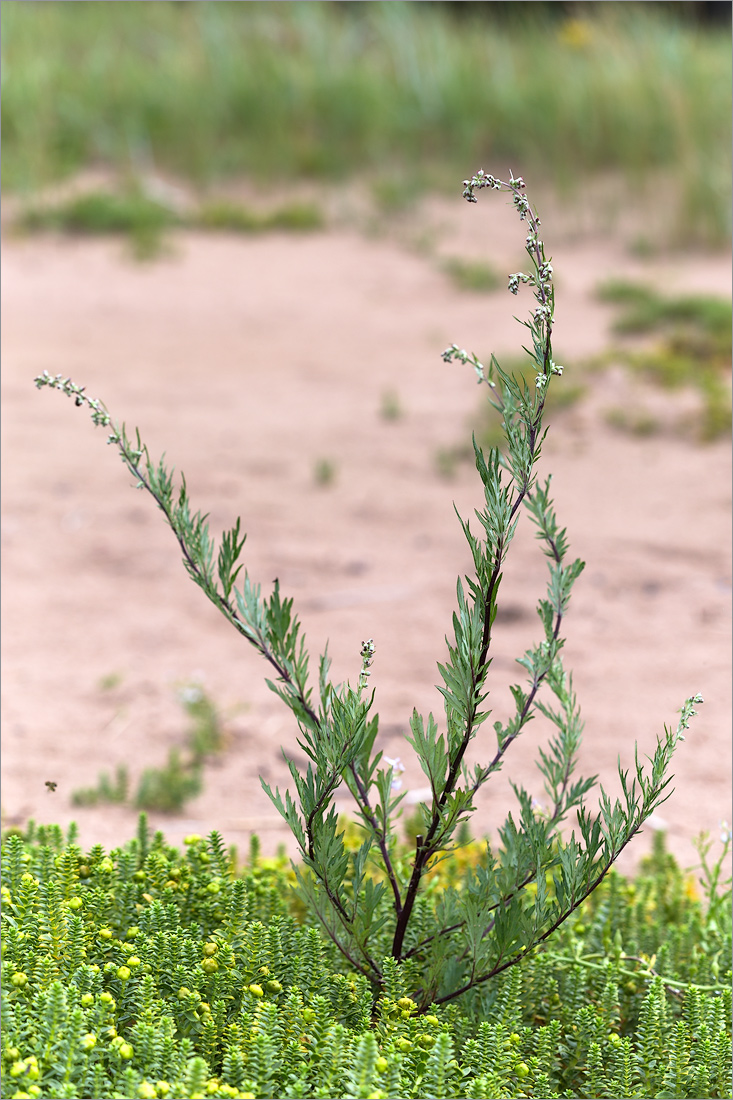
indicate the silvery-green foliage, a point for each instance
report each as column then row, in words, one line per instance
column 372, row 902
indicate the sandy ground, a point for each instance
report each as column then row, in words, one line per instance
column 248, row 361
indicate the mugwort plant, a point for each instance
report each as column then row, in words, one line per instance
column 373, row 900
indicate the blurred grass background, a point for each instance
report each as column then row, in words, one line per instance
column 412, row 91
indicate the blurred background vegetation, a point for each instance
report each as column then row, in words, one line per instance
column 410, row 92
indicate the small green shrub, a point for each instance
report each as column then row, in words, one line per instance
column 446, row 460
column 391, row 407
column 107, row 790
column 206, row 735
column 454, row 944
column 394, row 193
column 110, row 681
column 324, row 472
column 167, row 789
column 634, row 422
column 150, row 972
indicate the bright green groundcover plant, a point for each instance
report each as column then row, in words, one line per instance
column 145, row 972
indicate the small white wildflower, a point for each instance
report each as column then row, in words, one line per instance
column 397, row 766
column 191, row 694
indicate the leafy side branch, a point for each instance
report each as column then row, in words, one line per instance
column 375, row 903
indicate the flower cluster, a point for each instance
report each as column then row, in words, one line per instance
column 519, row 277
column 100, row 416
column 541, row 279
column 481, row 179
column 367, row 656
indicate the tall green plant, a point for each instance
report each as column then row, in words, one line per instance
column 375, row 904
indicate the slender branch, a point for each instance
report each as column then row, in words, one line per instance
column 556, row 924
column 480, row 669
column 225, row 606
column 371, row 971
column 330, row 788
column 548, row 932
column 523, row 717
column 368, row 813
column 676, row 988
column 557, row 815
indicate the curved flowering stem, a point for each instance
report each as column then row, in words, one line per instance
column 499, row 523
column 192, row 534
column 333, row 734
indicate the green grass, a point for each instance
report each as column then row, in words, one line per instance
column 107, row 790
column 145, row 220
column 166, row 789
column 633, row 422
column 471, row 275
column 644, row 310
column 133, row 212
column 97, row 213
column 234, row 217
column 325, row 471
column 280, row 91
column 692, row 345
column 100, row 212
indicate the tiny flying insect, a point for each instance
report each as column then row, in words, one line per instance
column 51, row 785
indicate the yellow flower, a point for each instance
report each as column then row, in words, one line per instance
column 691, row 891
column 575, row 33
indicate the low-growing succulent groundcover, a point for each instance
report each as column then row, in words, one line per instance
column 147, row 972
